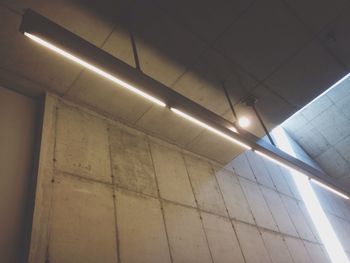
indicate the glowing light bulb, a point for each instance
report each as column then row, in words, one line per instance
column 244, row 122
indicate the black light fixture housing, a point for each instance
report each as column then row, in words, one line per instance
column 47, row 32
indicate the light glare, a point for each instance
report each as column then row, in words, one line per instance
column 314, row 208
column 93, row 68
column 278, row 162
column 244, row 122
column 329, row 188
column 206, row 126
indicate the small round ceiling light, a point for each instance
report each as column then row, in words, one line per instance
column 244, row 122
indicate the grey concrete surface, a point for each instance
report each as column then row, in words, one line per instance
column 253, row 47
column 323, row 131
column 164, row 203
column 82, row 222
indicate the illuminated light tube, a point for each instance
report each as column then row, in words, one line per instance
column 233, row 129
column 329, row 188
column 206, row 126
column 93, row 68
column 278, row 162
column 311, row 179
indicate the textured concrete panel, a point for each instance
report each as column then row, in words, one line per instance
column 252, row 244
column 298, row 218
column 290, row 181
column 258, row 205
column 277, row 177
column 82, row 225
column 186, row 237
column 222, row 239
column 141, row 229
column 332, row 125
column 343, row 147
column 318, row 106
column 205, row 186
column 279, row 212
column 82, row 144
column 173, row 180
column 342, row 230
column 131, row 159
column 259, row 168
column 317, row 253
column 309, row 222
column 242, row 167
column 276, row 247
column 234, row 197
column 336, row 168
column 297, row 250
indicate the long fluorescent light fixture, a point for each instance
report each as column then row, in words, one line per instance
column 300, row 173
column 49, row 35
column 93, row 68
column 209, row 128
column 277, row 161
column 329, row 188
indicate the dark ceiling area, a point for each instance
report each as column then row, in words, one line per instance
column 284, row 52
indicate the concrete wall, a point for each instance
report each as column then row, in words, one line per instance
column 109, row 193
column 18, row 119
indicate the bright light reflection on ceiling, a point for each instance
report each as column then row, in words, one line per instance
column 314, row 208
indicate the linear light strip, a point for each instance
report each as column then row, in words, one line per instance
column 277, row 162
column 206, row 126
column 93, row 68
column 329, row 188
column 300, row 173
column 162, row 104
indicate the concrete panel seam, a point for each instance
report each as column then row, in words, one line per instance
column 197, row 208
column 233, row 227
column 159, row 199
column 114, row 195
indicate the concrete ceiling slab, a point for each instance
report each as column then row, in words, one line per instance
column 343, row 105
column 165, row 124
column 207, row 19
column 340, row 92
column 332, row 125
column 336, row 37
column 337, row 168
column 311, row 140
column 317, row 13
column 263, row 38
column 271, row 106
column 320, row 105
column 165, row 49
column 22, row 56
column 203, row 82
column 314, row 70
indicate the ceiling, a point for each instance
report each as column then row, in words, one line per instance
column 322, row 129
column 285, row 52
